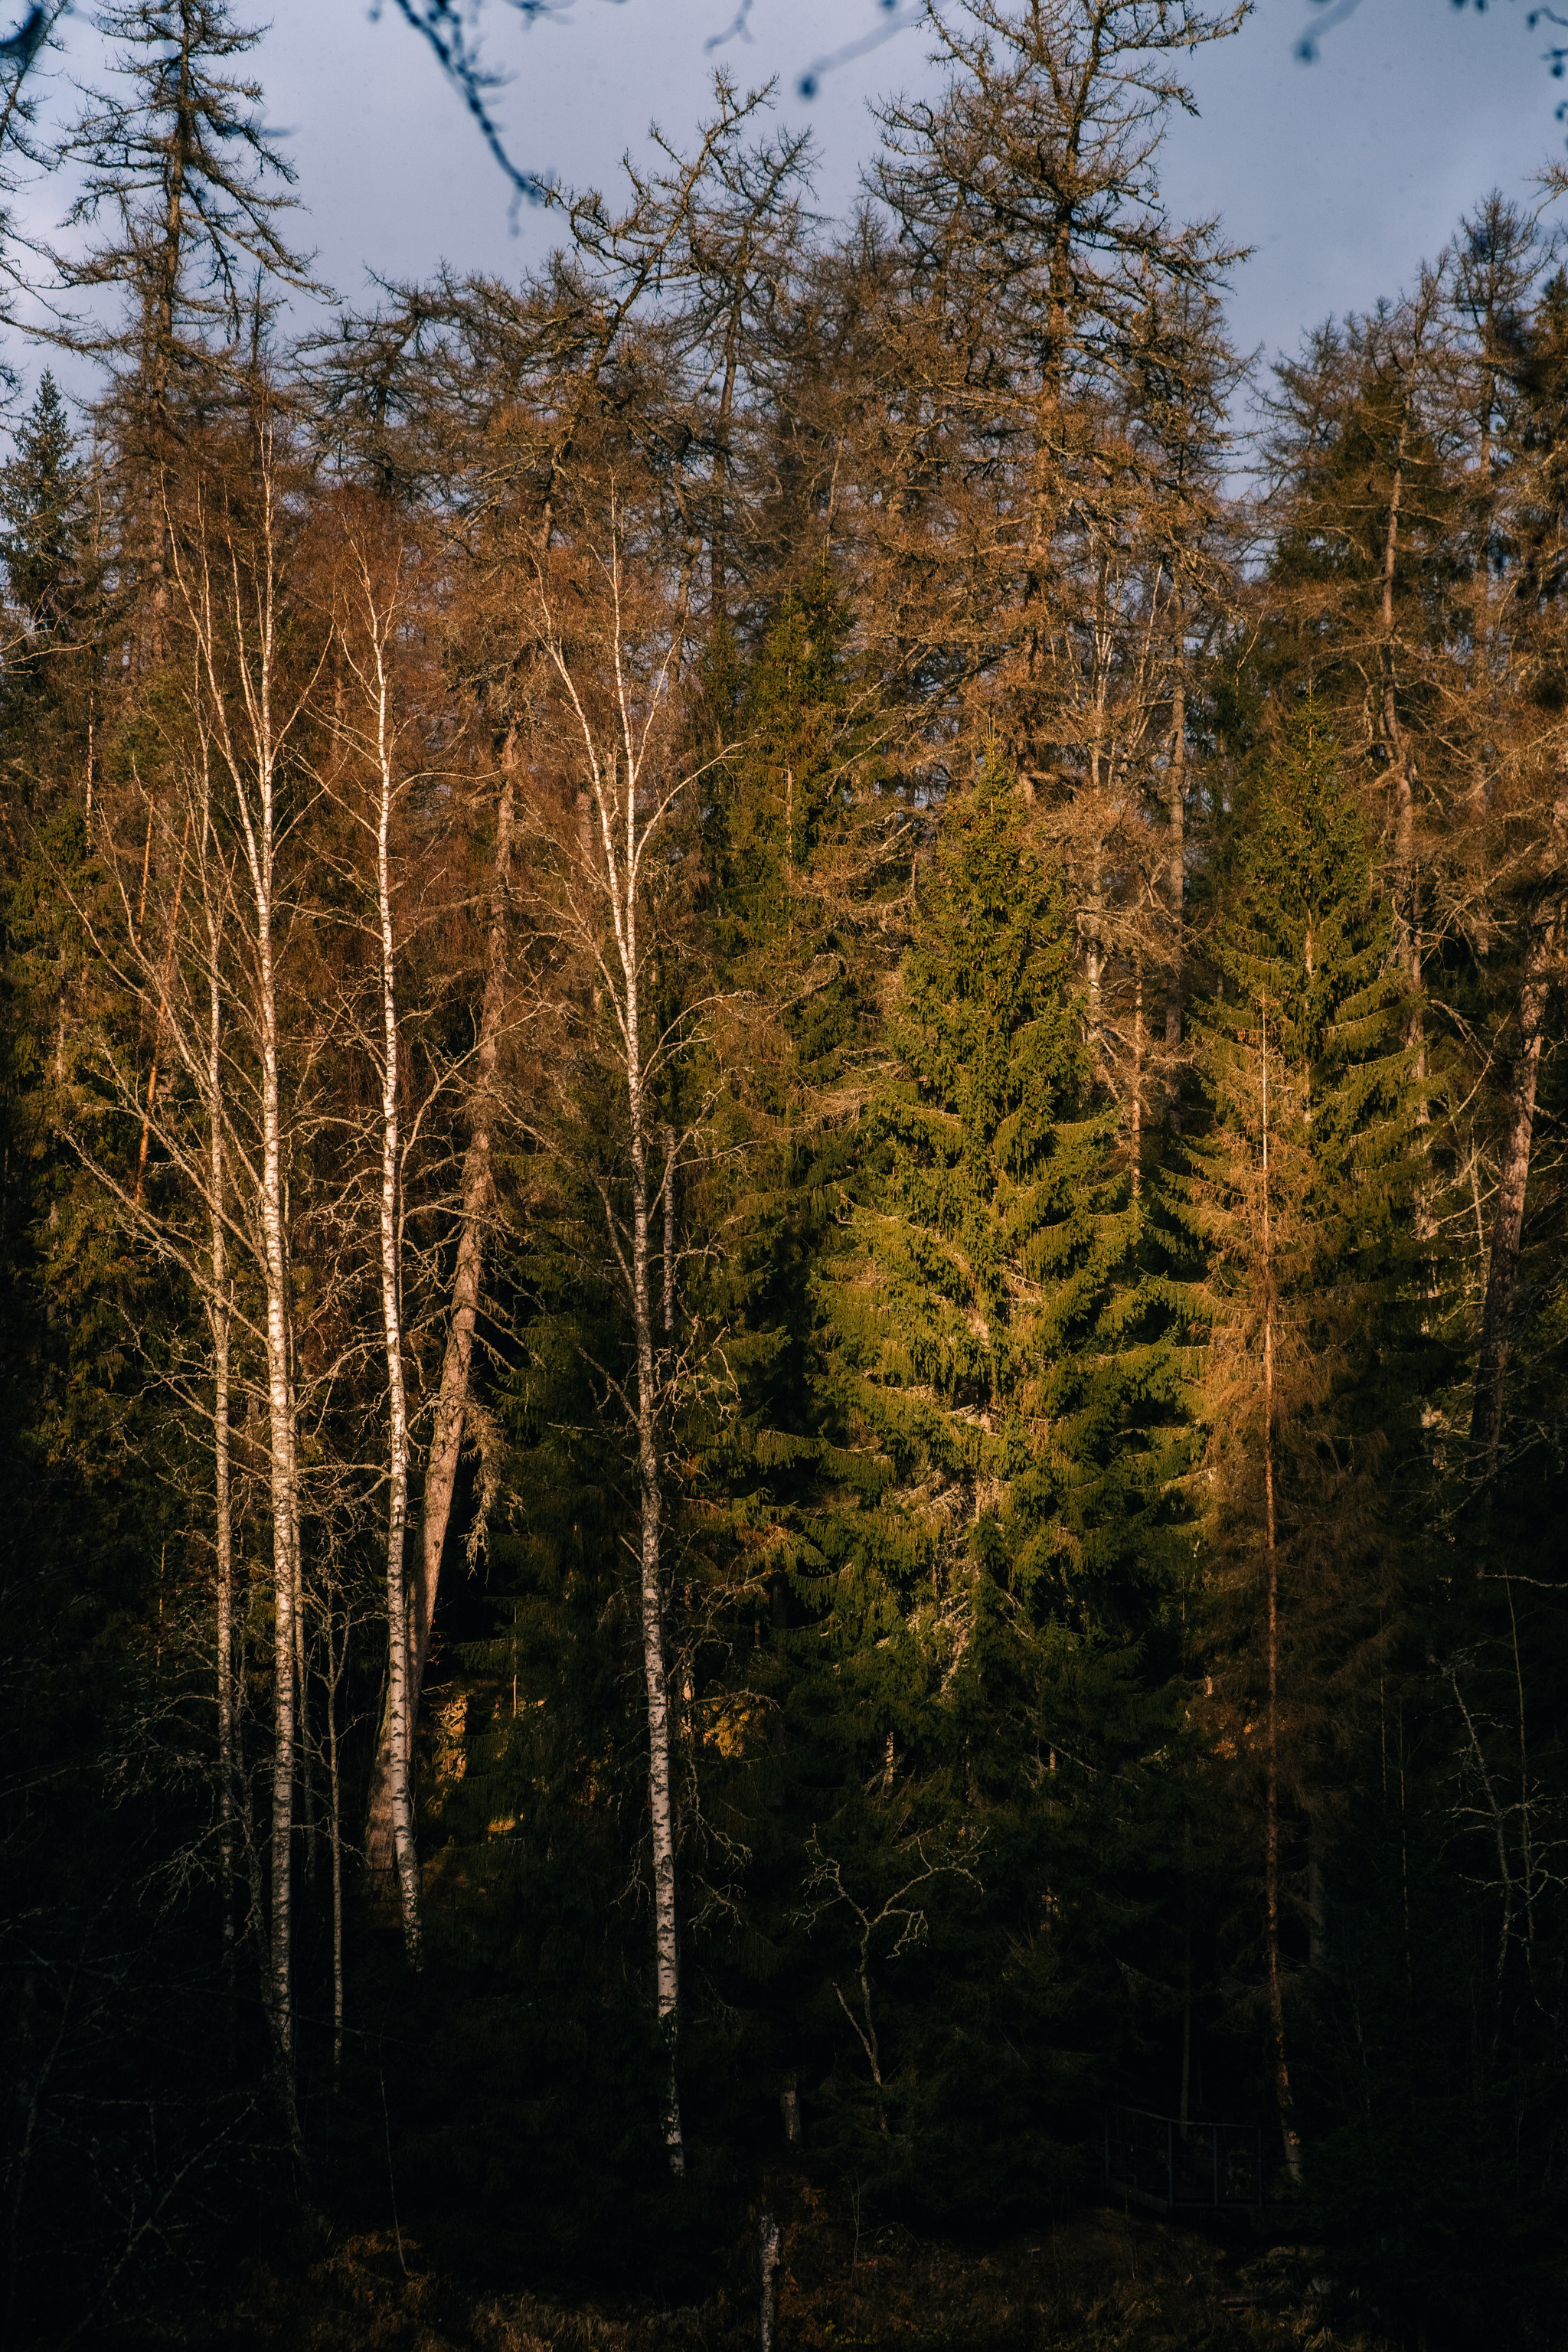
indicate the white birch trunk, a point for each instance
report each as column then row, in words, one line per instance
column 252, row 773
column 630, row 814
column 281, row 1431
column 223, row 1513
column 650, row 1495
column 452, row 1399
column 399, row 1722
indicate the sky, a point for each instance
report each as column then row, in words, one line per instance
column 1342, row 175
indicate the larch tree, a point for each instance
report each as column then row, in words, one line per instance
column 1062, row 424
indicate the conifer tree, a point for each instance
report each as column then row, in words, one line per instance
column 1046, row 505
column 176, row 169
column 1302, row 1191
column 993, row 1526
column 51, row 575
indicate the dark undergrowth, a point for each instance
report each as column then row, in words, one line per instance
column 1093, row 2280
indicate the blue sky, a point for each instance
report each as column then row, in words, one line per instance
column 1343, row 174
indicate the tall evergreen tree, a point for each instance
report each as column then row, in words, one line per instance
column 1301, row 1190
column 188, row 188
column 983, row 1639
column 50, row 682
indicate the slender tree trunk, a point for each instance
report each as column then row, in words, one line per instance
column 452, row 1399
column 223, row 1509
column 1271, row 1815
column 334, row 1788
column 158, row 1020
column 222, row 1331
column 1175, row 850
column 1186, row 1971
column 257, row 819
column 668, row 1234
column 1138, row 1075
column 302, row 1629
column 768, row 2249
column 399, row 1724
column 1406, row 887
column 650, row 1497
column 1094, row 961
column 629, row 815
column 1507, row 1218
column 280, row 1447
column 721, row 458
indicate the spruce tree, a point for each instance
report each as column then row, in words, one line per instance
column 184, row 188
column 985, row 1647
column 52, row 577
column 1301, row 1190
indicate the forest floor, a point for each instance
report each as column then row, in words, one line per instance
column 1096, row 2281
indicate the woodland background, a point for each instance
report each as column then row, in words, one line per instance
column 781, row 1115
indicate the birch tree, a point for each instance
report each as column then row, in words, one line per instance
column 229, row 597
column 452, row 1406
column 615, row 683
column 372, row 728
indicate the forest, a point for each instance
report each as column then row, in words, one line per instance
column 782, row 1198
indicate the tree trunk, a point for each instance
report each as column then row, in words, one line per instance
column 1508, row 1219
column 334, row 1788
column 1406, row 887
column 1176, row 853
column 281, row 1462
column 399, row 1724
column 630, row 809
column 1137, row 1154
column 1271, row 1812
column 651, row 1498
column 768, row 2248
column 452, row 1400
column 222, row 1503
column 258, row 827
column 1186, row 1973
column 668, row 1234
column 223, row 1508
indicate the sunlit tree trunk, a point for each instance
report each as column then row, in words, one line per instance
column 237, row 654
column 1507, row 1218
column 456, row 1365
column 629, row 803
column 1175, row 848
column 220, row 1314
column 400, row 1727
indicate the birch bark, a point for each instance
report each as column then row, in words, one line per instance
column 219, row 1310
column 247, row 735
column 399, row 1728
column 630, row 808
column 456, row 1366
